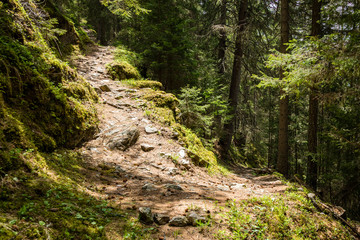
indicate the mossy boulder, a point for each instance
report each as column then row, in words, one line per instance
column 162, row 99
column 122, row 71
column 155, row 85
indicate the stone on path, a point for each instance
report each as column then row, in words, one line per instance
column 161, row 219
column 178, row 221
column 185, row 163
column 149, row 187
column 173, row 171
column 150, row 129
column 125, row 139
column 194, row 218
column 147, row 147
column 145, row 215
column 105, row 88
column 173, row 187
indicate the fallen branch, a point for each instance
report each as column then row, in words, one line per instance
column 329, row 211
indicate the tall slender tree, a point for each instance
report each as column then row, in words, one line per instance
column 283, row 145
column 235, row 78
column 222, row 41
column 312, row 167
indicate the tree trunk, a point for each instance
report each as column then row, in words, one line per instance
column 312, row 167
column 222, row 42
column 235, row 80
column 283, row 145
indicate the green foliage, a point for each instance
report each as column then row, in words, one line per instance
column 122, row 54
column 125, row 8
column 199, row 109
column 193, row 109
column 283, row 217
column 51, row 204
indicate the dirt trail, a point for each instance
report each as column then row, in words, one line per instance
column 135, row 178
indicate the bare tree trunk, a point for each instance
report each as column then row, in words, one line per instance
column 222, row 42
column 312, row 168
column 283, row 145
column 235, row 80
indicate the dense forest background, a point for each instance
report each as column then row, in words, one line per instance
column 265, row 83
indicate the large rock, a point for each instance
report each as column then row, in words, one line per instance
column 161, row 219
column 194, row 218
column 105, row 88
column 173, row 187
column 147, row 147
column 178, row 221
column 125, row 139
column 145, row 215
column 150, row 129
column 149, row 187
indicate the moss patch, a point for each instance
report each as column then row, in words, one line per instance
column 43, row 102
column 122, row 70
column 155, row 85
column 162, row 99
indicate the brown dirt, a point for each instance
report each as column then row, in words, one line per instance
column 120, row 175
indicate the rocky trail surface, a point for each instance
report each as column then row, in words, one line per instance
column 137, row 163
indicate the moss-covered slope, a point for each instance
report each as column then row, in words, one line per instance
column 44, row 103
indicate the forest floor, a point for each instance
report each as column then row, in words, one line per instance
column 136, row 178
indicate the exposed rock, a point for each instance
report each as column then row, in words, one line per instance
column 161, row 219
column 175, row 135
column 173, row 171
column 185, row 163
column 145, row 120
column 125, row 139
column 100, row 70
column 118, row 97
column 165, row 155
column 194, row 218
column 182, row 153
column 98, row 90
column 237, row 186
column 147, row 147
column 149, row 187
column 105, row 88
column 173, row 187
column 118, row 169
column 178, row 221
column 311, row 195
column 150, row 129
column 145, row 215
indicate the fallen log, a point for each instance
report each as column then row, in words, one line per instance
column 322, row 207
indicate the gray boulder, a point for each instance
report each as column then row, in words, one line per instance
column 194, row 218
column 145, row 215
column 147, row 147
column 178, row 221
column 125, row 139
column 161, row 219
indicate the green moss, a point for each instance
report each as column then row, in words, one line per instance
column 155, row 85
column 162, row 99
column 45, row 102
column 122, row 71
